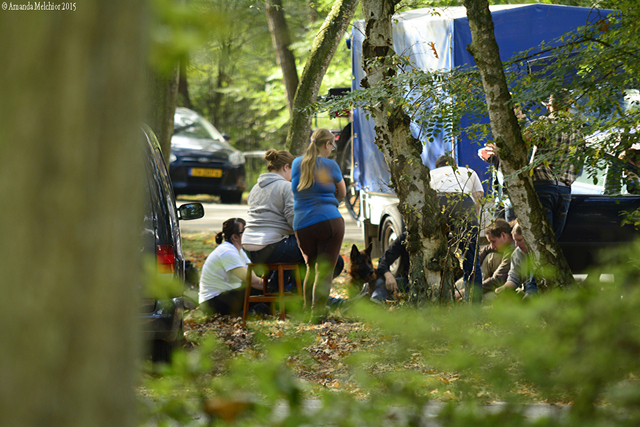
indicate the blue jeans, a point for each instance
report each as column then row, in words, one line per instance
column 556, row 200
column 286, row 251
column 380, row 291
column 530, row 286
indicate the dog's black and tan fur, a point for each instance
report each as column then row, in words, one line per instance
column 360, row 270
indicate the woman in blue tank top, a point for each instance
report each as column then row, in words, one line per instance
column 317, row 186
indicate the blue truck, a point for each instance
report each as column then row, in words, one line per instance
column 594, row 220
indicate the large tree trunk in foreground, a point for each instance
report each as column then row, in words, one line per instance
column 507, row 135
column 431, row 266
column 71, row 181
column 323, row 49
column 281, row 42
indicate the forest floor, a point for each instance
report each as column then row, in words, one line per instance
column 323, row 364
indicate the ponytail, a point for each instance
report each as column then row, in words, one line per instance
column 229, row 228
column 308, row 164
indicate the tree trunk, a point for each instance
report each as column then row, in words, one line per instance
column 72, row 183
column 507, row 135
column 183, row 86
column 431, row 266
column 162, row 106
column 281, row 42
column 323, row 49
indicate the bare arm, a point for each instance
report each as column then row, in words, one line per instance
column 341, row 189
column 477, row 197
column 390, row 282
column 241, row 273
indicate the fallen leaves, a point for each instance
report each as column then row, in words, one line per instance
column 226, row 409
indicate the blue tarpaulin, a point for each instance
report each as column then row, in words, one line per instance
column 517, row 28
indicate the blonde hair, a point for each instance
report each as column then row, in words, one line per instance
column 308, row 164
column 278, row 159
column 515, row 228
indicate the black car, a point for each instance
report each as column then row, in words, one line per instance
column 202, row 161
column 162, row 319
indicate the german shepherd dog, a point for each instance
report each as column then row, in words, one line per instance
column 360, row 270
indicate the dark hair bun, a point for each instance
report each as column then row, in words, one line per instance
column 271, row 155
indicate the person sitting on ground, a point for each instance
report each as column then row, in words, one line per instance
column 520, row 274
column 269, row 237
column 386, row 283
column 224, row 272
column 495, row 258
column 449, row 178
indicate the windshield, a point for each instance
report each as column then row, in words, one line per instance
column 196, row 127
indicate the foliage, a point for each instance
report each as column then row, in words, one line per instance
column 177, row 29
column 391, row 366
column 601, row 57
column 234, row 80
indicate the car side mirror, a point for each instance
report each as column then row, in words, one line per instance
column 190, row 211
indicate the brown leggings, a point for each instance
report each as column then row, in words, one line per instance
column 320, row 246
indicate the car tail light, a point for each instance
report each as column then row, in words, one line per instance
column 166, row 259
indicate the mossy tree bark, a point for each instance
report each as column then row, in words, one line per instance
column 507, row 135
column 322, row 50
column 71, row 178
column 281, row 42
column 431, row 263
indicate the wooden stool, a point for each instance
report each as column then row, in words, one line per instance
column 270, row 297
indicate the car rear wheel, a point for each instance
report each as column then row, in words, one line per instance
column 389, row 233
column 352, row 199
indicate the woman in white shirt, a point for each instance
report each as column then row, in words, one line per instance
column 225, row 270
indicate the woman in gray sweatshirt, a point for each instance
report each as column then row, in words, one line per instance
column 268, row 236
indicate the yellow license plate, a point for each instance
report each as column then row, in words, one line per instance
column 206, row 173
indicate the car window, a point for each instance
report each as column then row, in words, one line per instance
column 198, row 128
column 605, row 181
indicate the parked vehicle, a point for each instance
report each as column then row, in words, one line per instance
column 202, row 161
column 594, row 220
column 162, row 319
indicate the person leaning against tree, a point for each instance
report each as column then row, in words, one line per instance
column 317, row 186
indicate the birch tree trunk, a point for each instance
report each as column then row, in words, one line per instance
column 281, row 42
column 431, row 270
column 322, row 51
column 71, row 181
column 507, row 135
